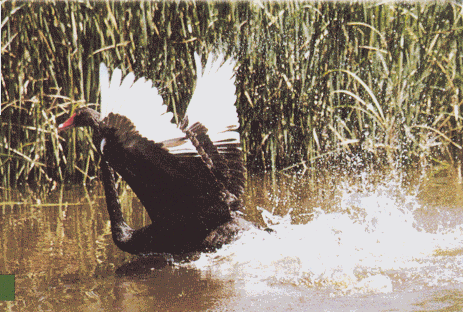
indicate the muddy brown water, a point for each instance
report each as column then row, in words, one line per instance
column 373, row 242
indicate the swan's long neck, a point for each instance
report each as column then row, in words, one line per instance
column 94, row 118
column 112, row 199
column 121, row 232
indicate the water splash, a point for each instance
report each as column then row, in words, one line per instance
column 371, row 243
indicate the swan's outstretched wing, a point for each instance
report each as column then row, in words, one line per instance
column 213, row 101
column 212, row 104
column 212, row 113
column 140, row 102
column 143, row 118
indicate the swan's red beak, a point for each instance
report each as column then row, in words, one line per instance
column 67, row 124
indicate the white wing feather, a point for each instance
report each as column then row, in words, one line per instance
column 140, row 102
column 212, row 104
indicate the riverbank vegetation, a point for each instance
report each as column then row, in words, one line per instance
column 345, row 85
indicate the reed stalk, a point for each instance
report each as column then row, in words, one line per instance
column 318, row 83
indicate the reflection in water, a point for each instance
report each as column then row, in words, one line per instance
column 376, row 242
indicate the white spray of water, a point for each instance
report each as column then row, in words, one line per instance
column 354, row 250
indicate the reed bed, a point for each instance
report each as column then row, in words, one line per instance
column 318, row 83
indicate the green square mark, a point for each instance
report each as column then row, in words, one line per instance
column 6, row 287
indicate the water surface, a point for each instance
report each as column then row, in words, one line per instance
column 369, row 242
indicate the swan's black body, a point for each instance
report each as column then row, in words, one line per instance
column 191, row 199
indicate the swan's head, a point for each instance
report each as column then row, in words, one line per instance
column 82, row 117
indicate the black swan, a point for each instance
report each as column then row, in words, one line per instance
column 188, row 178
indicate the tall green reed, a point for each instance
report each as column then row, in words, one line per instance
column 318, row 83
